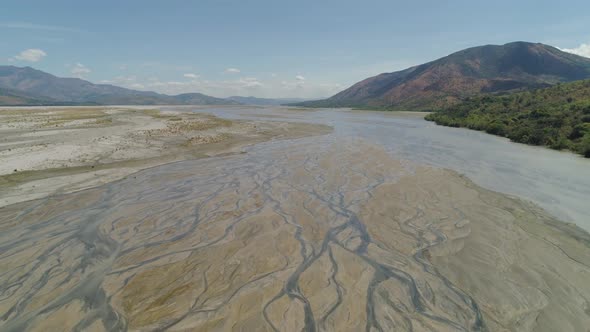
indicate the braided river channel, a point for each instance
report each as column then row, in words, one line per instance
column 388, row 223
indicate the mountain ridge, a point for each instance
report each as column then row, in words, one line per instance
column 251, row 100
column 447, row 80
column 29, row 86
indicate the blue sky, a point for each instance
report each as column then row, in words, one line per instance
column 267, row 48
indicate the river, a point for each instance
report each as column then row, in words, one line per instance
column 557, row 181
column 344, row 231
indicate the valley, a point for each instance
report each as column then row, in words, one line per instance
column 359, row 228
column 299, row 166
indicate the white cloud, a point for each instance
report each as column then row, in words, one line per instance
column 125, row 78
column 296, row 85
column 189, row 75
column 31, row 55
column 232, row 71
column 131, row 82
column 174, row 83
column 249, row 82
column 240, row 86
column 582, row 50
column 124, row 81
column 79, row 70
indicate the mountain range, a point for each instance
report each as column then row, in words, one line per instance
column 431, row 86
column 28, row 86
column 446, row 81
column 266, row 101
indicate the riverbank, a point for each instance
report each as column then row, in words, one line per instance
column 557, row 117
column 65, row 149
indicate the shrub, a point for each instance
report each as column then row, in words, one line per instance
column 558, row 117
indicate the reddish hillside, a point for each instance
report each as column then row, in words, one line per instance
column 445, row 81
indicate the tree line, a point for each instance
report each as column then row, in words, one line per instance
column 557, row 117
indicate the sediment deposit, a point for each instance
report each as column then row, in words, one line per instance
column 290, row 237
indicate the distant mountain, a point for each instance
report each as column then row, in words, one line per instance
column 444, row 82
column 28, row 86
column 19, row 98
column 265, row 101
column 195, row 98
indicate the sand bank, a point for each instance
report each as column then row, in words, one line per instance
column 58, row 150
column 337, row 237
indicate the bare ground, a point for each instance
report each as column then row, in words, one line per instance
column 336, row 238
column 59, row 150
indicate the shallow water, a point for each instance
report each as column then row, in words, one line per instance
column 557, row 181
column 325, row 232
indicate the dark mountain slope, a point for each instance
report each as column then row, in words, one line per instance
column 10, row 97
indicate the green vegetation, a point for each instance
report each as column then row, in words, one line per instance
column 557, row 117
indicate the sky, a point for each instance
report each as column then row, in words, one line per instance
column 267, row 48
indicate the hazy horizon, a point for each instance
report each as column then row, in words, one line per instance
column 266, row 50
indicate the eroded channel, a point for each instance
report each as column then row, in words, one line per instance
column 322, row 233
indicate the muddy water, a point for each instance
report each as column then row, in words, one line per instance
column 338, row 232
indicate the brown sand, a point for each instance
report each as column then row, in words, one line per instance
column 340, row 238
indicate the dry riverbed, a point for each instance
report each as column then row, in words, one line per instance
column 59, row 150
column 326, row 233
